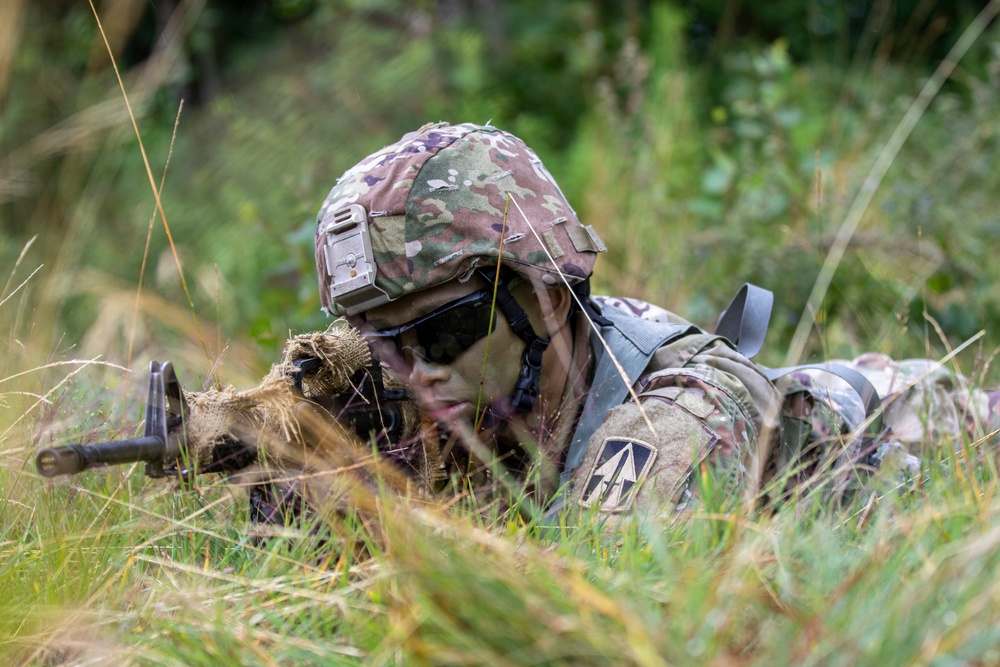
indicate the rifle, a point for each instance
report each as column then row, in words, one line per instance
column 369, row 409
column 333, row 373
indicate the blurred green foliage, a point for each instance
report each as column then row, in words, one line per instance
column 710, row 143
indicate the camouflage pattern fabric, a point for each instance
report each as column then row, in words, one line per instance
column 707, row 404
column 641, row 309
column 701, row 405
column 926, row 406
column 712, row 409
column 446, row 199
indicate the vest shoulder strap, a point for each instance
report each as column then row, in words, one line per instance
column 631, row 342
column 744, row 322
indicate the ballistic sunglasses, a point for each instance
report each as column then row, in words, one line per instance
column 444, row 334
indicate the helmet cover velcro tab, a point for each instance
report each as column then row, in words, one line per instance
column 585, row 239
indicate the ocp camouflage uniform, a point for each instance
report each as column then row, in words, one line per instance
column 925, row 404
column 705, row 406
column 699, row 402
column 926, row 407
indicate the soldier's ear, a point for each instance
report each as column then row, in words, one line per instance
column 548, row 309
column 556, row 305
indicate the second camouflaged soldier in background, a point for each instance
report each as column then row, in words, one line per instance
column 456, row 252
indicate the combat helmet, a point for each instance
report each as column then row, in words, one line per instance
column 433, row 207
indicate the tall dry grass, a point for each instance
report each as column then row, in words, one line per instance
column 109, row 567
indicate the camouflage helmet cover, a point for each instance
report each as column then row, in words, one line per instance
column 431, row 207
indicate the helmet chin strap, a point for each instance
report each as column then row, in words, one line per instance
column 526, row 389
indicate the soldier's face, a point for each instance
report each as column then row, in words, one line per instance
column 470, row 369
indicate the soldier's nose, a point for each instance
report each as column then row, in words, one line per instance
column 423, row 372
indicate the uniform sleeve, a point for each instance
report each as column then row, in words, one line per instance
column 926, row 405
column 702, row 407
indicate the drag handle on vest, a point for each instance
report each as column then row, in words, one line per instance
column 159, row 449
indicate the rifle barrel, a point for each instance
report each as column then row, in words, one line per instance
column 71, row 459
